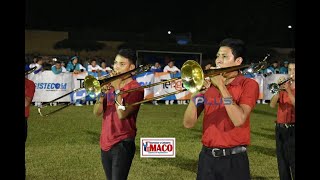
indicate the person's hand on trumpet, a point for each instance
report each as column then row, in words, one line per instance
column 206, row 85
column 286, row 86
column 280, row 80
column 218, row 80
column 115, row 84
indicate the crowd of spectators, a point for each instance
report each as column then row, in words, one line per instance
column 98, row 67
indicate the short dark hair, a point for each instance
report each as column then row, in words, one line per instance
column 129, row 54
column 58, row 62
column 38, row 58
column 74, row 57
column 237, row 46
column 93, row 59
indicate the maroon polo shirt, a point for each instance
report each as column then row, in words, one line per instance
column 218, row 129
column 113, row 129
column 286, row 111
column 29, row 89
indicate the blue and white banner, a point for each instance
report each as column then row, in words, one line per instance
column 50, row 86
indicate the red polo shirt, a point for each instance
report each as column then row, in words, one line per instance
column 115, row 130
column 286, row 111
column 218, row 129
column 29, row 89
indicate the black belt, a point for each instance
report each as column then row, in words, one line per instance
column 285, row 125
column 218, row 152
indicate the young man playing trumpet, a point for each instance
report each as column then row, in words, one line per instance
column 117, row 140
column 285, row 126
column 226, row 126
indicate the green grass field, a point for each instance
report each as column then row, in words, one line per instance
column 65, row 145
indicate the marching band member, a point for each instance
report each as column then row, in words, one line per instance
column 117, row 140
column 285, row 126
column 226, row 126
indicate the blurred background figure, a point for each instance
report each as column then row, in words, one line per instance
column 38, row 63
column 284, row 68
column 74, row 66
column 272, row 69
column 105, row 68
column 171, row 68
column 57, row 68
column 94, row 69
column 63, row 64
column 156, row 68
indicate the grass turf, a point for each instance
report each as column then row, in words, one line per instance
column 65, row 145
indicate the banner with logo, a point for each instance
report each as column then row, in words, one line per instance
column 50, row 86
column 259, row 80
column 169, row 87
column 144, row 79
column 157, row 147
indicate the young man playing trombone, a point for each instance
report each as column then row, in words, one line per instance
column 285, row 126
column 117, row 140
column 226, row 126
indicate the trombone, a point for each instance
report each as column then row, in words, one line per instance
column 27, row 72
column 274, row 88
column 93, row 86
column 192, row 77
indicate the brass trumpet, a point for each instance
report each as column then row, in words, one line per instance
column 93, row 86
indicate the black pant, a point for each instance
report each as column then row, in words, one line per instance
column 25, row 140
column 230, row 167
column 285, row 143
column 117, row 161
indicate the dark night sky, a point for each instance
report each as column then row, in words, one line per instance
column 258, row 22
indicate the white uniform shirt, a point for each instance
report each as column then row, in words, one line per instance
column 35, row 64
column 106, row 69
column 94, row 69
column 169, row 69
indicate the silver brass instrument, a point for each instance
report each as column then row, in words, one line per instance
column 257, row 67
